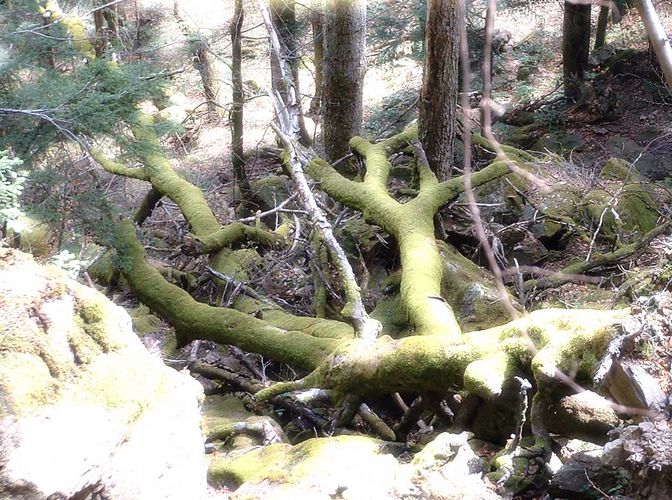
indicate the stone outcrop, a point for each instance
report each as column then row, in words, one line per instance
column 84, row 408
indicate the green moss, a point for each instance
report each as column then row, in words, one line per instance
column 144, row 321
column 35, row 237
column 617, row 169
column 630, row 209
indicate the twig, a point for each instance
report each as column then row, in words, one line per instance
column 288, row 130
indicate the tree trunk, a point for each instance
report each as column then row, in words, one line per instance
column 101, row 38
column 202, row 62
column 283, row 17
column 601, row 32
column 575, row 45
column 438, row 97
column 343, row 76
column 657, row 36
column 237, row 159
column 317, row 22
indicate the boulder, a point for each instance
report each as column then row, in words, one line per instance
column 84, row 408
column 354, row 467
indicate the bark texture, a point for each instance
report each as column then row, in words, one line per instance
column 343, row 76
column 575, row 45
column 658, row 37
column 438, row 97
column 237, row 160
column 283, row 17
column 317, row 24
column 601, row 30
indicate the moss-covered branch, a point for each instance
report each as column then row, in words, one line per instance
column 230, row 236
column 411, row 224
column 193, row 320
column 116, row 168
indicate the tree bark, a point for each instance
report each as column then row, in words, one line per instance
column 317, row 23
column 575, row 45
column 343, row 76
column 438, row 97
column 601, row 31
column 658, row 37
column 202, row 62
column 283, row 17
column 237, row 158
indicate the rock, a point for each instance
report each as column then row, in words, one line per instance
column 580, row 477
column 560, row 144
column 653, row 167
column 645, row 450
column 631, row 385
column 84, row 407
column 521, row 246
column 629, row 211
column 570, row 447
column 182, row 101
column 171, row 114
column 585, row 415
column 355, row 467
column 32, row 235
column 523, row 74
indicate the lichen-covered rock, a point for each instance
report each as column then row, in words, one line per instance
column 624, row 207
column 355, row 467
column 645, row 450
column 585, row 415
column 83, row 406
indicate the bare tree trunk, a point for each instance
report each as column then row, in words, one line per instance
column 317, row 22
column 343, row 76
column 657, row 37
column 438, row 97
column 283, row 17
column 486, row 101
column 101, row 38
column 202, row 62
column 237, row 159
column 575, row 45
column 601, row 31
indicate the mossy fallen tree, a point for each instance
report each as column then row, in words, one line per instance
column 555, row 348
column 436, row 356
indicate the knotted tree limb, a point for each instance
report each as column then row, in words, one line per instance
column 228, row 236
column 411, row 223
column 288, row 128
column 117, row 168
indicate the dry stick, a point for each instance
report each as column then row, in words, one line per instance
column 252, row 386
column 376, row 423
column 288, row 130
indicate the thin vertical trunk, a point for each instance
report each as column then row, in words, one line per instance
column 486, row 101
column 601, row 31
column 438, row 96
column 101, row 38
column 657, row 37
column 317, row 22
column 343, row 76
column 202, row 62
column 575, row 45
column 237, row 160
column 283, row 17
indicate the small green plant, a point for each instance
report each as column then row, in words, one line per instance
column 12, row 181
column 70, row 263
